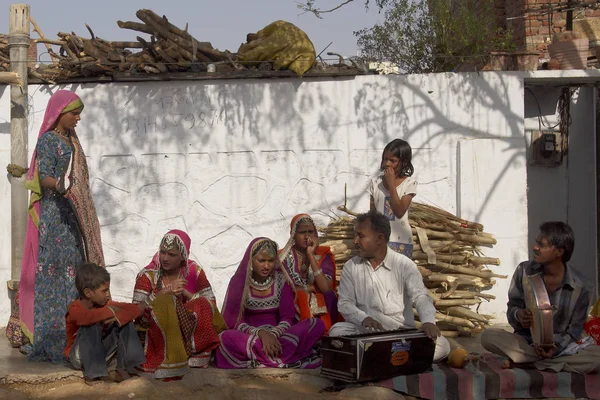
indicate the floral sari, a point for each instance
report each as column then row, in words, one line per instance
column 62, row 232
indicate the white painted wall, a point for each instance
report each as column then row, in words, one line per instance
column 231, row 160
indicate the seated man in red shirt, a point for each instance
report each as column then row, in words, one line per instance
column 100, row 332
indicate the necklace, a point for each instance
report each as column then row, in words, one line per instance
column 261, row 286
column 63, row 134
column 168, row 280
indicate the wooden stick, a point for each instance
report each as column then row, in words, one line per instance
column 456, row 302
column 37, row 29
column 467, row 271
column 125, row 45
column 348, row 211
column 11, row 78
column 484, row 260
column 459, row 236
column 466, row 313
column 203, row 47
column 451, row 258
column 184, row 46
column 449, row 319
column 135, row 26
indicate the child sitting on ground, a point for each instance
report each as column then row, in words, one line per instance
column 100, row 332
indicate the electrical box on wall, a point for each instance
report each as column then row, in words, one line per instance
column 547, row 148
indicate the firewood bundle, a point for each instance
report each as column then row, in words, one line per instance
column 4, row 53
column 447, row 254
column 169, row 49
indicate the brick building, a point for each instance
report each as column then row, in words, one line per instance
column 534, row 22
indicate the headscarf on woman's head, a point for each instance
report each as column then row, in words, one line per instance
column 60, row 102
column 237, row 291
column 297, row 220
column 183, row 242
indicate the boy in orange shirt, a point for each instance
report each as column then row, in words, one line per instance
column 100, row 332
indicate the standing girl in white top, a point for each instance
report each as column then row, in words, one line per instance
column 397, row 175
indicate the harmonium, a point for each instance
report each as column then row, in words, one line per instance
column 366, row 357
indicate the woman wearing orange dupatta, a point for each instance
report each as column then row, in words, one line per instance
column 312, row 268
column 62, row 229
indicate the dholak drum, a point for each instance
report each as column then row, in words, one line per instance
column 538, row 303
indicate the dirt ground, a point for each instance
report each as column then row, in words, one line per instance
column 199, row 384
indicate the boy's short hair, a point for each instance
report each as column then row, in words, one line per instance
column 90, row 276
column 559, row 235
column 379, row 223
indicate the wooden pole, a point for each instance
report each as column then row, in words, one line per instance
column 569, row 26
column 18, row 43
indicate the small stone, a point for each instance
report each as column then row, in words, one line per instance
column 370, row 393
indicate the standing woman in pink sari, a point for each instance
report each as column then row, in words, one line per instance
column 259, row 312
column 62, row 230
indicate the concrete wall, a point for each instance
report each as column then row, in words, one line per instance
column 231, row 160
column 566, row 192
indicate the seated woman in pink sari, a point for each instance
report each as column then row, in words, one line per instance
column 182, row 323
column 259, row 312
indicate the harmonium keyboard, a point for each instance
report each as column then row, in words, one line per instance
column 366, row 357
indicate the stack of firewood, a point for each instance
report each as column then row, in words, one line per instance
column 4, row 53
column 169, row 49
column 447, row 253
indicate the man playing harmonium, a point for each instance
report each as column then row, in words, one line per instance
column 379, row 288
column 547, row 307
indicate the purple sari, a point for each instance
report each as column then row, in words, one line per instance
column 246, row 312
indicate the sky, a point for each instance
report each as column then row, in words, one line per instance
column 224, row 23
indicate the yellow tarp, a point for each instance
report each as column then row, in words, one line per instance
column 282, row 43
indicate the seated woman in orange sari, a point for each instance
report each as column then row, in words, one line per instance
column 312, row 269
column 183, row 321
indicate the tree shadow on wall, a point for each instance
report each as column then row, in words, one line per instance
column 155, row 137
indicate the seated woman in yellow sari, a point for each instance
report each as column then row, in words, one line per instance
column 182, row 322
column 312, row 269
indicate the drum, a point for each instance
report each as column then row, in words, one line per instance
column 538, row 303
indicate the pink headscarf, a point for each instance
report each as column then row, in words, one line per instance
column 190, row 270
column 237, row 290
column 57, row 103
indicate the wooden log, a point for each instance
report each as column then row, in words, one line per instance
column 466, row 271
column 461, row 280
column 466, row 313
column 10, row 78
column 484, row 260
column 184, row 45
column 449, row 319
column 125, row 45
column 456, row 302
column 41, row 77
column 457, row 259
column 209, row 54
column 463, row 294
column 459, row 236
column 135, row 26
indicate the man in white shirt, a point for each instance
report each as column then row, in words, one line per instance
column 379, row 288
